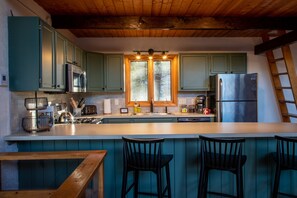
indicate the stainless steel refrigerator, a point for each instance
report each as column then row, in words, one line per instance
column 235, row 97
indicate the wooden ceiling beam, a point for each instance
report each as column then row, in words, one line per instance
column 172, row 23
column 277, row 42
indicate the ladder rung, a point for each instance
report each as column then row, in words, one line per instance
column 290, row 115
column 276, row 60
column 279, row 74
column 279, row 88
column 287, row 101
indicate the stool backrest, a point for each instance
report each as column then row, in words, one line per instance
column 222, row 153
column 286, row 151
column 142, row 154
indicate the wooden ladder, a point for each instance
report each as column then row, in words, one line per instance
column 284, row 78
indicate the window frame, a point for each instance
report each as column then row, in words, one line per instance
column 173, row 78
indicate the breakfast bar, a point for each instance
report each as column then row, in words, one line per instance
column 181, row 140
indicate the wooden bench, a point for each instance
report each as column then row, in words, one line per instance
column 75, row 185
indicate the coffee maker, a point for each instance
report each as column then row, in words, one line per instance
column 200, row 103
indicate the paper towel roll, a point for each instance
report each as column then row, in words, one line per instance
column 107, row 106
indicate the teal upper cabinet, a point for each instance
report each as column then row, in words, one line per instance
column 113, row 66
column 228, row 63
column 60, row 61
column 31, row 55
column 74, row 54
column 194, row 72
column 95, row 71
column 238, row 63
column 219, row 63
column 104, row 72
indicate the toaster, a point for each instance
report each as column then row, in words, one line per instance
column 89, row 110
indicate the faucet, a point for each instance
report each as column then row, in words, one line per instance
column 152, row 106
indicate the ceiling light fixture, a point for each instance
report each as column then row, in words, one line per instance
column 151, row 53
column 138, row 56
column 164, row 55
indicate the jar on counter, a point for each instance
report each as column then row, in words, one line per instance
column 184, row 109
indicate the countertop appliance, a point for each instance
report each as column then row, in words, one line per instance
column 76, row 79
column 89, row 110
column 234, row 97
column 200, row 103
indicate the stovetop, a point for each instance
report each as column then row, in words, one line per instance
column 87, row 120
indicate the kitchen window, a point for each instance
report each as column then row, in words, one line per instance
column 151, row 79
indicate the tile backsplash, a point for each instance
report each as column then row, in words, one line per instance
column 117, row 101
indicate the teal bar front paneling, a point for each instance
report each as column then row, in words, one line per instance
column 49, row 166
column 60, row 165
column 184, row 168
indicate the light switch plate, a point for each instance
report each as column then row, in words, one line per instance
column 116, row 102
column 3, row 80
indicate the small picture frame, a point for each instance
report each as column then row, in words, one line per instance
column 124, row 110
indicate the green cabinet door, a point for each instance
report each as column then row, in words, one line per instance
column 155, row 120
column 70, row 53
column 219, row 63
column 31, row 54
column 74, row 54
column 95, row 71
column 117, row 120
column 194, row 72
column 47, row 57
column 104, row 72
column 78, row 56
column 228, row 63
column 238, row 63
column 60, row 62
column 113, row 69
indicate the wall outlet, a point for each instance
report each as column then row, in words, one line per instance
column 3, row 80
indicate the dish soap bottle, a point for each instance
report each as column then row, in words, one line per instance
column 135, row 109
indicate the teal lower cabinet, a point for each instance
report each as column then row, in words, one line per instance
column 138, row 120
column 184, row 168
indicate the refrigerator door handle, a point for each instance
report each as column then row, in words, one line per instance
column 220, row 89
column 219, row 112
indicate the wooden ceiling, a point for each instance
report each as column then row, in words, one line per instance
column 171, row 18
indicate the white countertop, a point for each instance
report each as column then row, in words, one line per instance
column 165, row 130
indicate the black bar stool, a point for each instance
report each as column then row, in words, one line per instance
column 223, row 154
column 145, row 155
column 285, row 158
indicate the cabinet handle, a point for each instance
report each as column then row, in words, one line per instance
column 58, row 85
column 226, row 72
column 231, row 72
column 103, row 88
column 121, row 88
column 181, row 88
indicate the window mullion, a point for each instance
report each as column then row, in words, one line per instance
column 150, row 80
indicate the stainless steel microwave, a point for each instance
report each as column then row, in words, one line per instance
column 76, row 79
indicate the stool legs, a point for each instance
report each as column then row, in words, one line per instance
column 202, row 188
column 124, row 184
column 239, row 183
column 168, row 181
column 136, row 176
column 276, row 181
